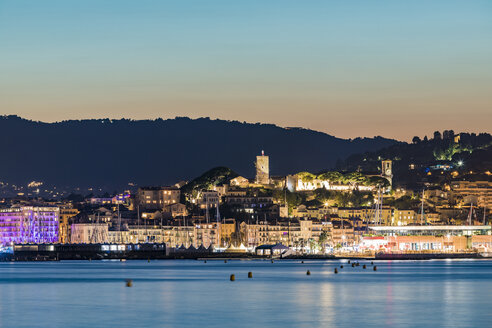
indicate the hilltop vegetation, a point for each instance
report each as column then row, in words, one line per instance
column 463, row 153
column 213, row 177
column 349, row 178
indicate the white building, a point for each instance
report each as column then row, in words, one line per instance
column 89, row 233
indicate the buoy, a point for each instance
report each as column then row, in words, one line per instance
column 250, row 274
column 364, row 266
column 129, row 283
column 308, row 273
column 225, row 261
column 375, row 268
column 272, row 261
column 341, row 266
column 336, row 270
column 233, row 277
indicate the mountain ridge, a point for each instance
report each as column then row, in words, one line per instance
column 112, row 153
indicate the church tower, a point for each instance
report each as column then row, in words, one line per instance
column 387, row 170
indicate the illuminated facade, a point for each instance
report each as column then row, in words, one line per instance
column 477, row 192
column 296, row 183
column 89, row 233
column 157, row 197
column 29, row 225
column 262, row 169
column 64, row 224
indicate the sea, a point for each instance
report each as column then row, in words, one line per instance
column 198, row 293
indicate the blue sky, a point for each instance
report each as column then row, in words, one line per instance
column 348, row 68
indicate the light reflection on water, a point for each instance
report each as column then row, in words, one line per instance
column 186, row 293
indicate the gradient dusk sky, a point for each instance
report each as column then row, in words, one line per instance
column 348, row 68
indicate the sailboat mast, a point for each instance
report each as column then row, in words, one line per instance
column 422, row 209
column 469, row 221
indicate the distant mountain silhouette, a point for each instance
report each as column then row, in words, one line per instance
column 111, row 153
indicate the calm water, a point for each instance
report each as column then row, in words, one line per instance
column 182, row 293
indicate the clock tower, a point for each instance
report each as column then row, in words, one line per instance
column 387, row 170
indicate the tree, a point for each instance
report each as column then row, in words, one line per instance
column 416, row 140
column 306, row 176
column 323, row 237
column 332, row 176
column 323, row 195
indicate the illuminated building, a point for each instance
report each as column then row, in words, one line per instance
column 239, row 182
column 405, row 217
column 296, row 183
column 463, row 230
column 208, row 199
column 297, row 234
column 64, row 225
column 367, row 214
column 157, row 197
column 175, row 210
column 262, row 169
column 478, row 192
column 29, row 225
column 445, row 238
column 89, row 233
column 227, row 229
column 342, row 233
column 207, row 234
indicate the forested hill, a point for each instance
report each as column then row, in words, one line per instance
column 463, row 153
column 112, row 153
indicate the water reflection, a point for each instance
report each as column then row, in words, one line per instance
column 191, row 293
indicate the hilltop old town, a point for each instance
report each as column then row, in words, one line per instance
column 331, row 212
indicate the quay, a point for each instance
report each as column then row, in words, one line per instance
column 159, row 251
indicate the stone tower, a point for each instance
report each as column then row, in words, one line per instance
column 262, row 169
column 387, row 170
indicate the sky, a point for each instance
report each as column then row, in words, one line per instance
column 348, row 68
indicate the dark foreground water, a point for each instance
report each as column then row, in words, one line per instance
column 187, row 293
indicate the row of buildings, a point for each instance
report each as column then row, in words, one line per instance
column 42, row 225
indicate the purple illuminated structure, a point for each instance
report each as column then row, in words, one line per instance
column 29, row 225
